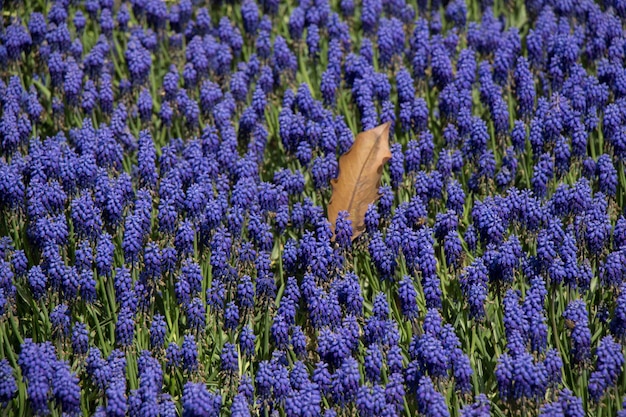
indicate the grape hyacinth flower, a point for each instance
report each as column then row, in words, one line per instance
column 80, row 339
column 577, row 321
column 8, row 386
column 198, row 401
column 430, row 402
column 144, row 205
column 610, row 361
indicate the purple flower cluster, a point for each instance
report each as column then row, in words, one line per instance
column 48, row 379
column 610, row 361
column 164, row 172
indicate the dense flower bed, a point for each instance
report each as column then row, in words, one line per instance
column 165, row 169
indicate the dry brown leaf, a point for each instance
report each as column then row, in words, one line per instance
column 360, row 170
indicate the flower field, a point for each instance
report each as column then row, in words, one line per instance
column 168, row 171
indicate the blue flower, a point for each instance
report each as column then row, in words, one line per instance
column 66, row 389
column 196, row 314
column 373, row 363
column 390, row 40
column 610, row 361
column 578, row 322
column 370, row 402
column 554, row 366
column 8, row 386
column 199, row 402
column 607, row 175
column 239, row 406
column 371, row 12
column 139, row 61
column 125, row 327
column 283, row 57
column 189, row 353
column 430, row 402
column 229, row 358
column 480, row 408
column 572, row 405
column 60, row 319
column 158, row 330
column 37, row 362
column 345, row 381
column 519, row 377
